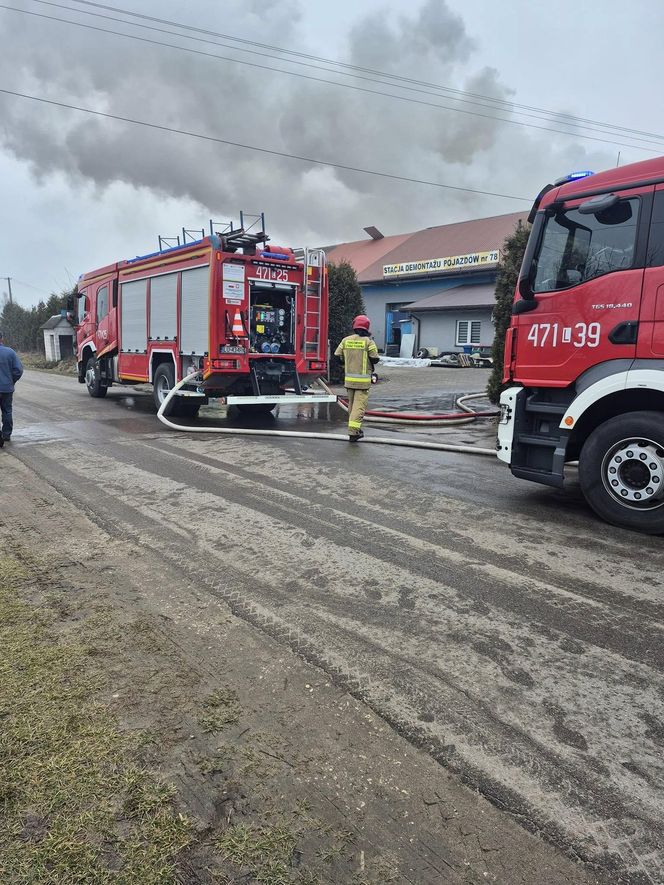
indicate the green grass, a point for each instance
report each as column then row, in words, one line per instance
column 75, row 806
column 222, row 708
column 267, row 852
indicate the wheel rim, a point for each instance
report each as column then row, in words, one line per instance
column 90, row 377
column 633, row 473
column 163, row 388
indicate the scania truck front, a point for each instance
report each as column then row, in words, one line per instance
column 584, row 354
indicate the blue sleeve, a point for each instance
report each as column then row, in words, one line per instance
column 17, row 368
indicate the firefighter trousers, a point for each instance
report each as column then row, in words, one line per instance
column 357, row 406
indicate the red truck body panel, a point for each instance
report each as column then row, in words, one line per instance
column 568, row 330
column 206, row 308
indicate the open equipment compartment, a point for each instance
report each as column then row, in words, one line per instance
column 272, row 318
column 272, row 324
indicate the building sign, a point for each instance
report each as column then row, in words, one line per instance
column 435, row 265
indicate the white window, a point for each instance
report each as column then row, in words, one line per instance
column 468, row 332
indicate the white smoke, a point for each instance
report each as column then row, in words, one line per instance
column 302, row 202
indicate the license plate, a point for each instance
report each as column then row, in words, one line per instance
column 232, row 348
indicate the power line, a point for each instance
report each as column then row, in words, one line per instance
column 509, row 105
column 401, row 98
column 262, row 150
column 503, row 105
column 607, row 129
column 34, row 288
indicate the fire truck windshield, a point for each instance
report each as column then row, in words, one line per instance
column 574, row 248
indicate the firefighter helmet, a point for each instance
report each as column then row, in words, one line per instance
column 362, row 322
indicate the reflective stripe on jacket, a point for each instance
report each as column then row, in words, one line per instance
column 356, row 351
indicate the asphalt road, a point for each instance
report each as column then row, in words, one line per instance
column 494, row 623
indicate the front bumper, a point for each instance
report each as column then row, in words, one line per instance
column 506, row 423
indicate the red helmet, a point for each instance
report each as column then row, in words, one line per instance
column 362, row 322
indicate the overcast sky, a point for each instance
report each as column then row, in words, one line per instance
column 80, row 191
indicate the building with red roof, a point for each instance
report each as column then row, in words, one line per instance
column 437, row 283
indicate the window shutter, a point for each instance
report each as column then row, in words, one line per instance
column 475, row 332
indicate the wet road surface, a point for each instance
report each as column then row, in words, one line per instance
column 495, row 623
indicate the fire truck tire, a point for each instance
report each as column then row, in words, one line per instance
column 93, row 379
column 621, row 471
column 162, row 383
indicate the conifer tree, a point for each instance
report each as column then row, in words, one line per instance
column 508, row 274
column 346, row 303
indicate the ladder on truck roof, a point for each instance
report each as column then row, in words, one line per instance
column 247, row 236
column 314, row 271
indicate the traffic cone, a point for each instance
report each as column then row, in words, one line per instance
column 238, row 327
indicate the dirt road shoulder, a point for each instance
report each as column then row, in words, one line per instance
column 252, row 764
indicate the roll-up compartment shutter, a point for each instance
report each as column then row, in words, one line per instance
column 163, row 307
column 195, row 311
column 133, row 307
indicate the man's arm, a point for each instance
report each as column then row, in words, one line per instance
column 17, row 368
column 339, row 351
column 373, row 353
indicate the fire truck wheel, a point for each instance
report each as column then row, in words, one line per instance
column 621, row 471
column 93, row 379
column 163, row 381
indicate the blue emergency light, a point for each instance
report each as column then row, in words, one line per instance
column 573, row 176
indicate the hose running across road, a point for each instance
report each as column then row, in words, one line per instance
column 298, row 434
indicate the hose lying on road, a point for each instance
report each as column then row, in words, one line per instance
column 298, row 434
column 424, row 419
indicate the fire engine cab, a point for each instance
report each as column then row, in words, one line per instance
column 250, row 317
column 584, row 354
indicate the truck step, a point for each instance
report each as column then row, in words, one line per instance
column 531, row 440
column 546, row 408
column 543, row 477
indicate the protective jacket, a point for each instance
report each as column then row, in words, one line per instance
column 359, row 353
column 10, row 369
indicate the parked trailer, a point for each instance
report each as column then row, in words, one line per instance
column 584, row 354
column 251, row 317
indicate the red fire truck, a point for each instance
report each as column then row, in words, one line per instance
column 251, row 317
column 584, row 355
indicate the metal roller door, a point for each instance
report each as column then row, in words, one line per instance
column 163, row 307
column 133, row 307
column 195, row 311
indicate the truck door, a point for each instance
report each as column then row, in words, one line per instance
column 102, row 305
column 651, row 322
column 84, row 326
column 586, row 279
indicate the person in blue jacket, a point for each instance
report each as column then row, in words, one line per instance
column 10, row 371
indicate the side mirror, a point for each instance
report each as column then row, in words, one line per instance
column 524, row 306
column 524, row 287
column 600, row 203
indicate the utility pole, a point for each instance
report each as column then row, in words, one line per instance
column 9, row 285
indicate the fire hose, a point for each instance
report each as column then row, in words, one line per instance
column 298, row 434
column 424, row 419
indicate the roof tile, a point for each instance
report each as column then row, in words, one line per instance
column 460, row 238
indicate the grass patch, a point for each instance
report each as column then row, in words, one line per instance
column 38, row 361
column 222, row 708
column 75, row 807
column 269, row 853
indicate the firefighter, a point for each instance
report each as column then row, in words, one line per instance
column 360, row 355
